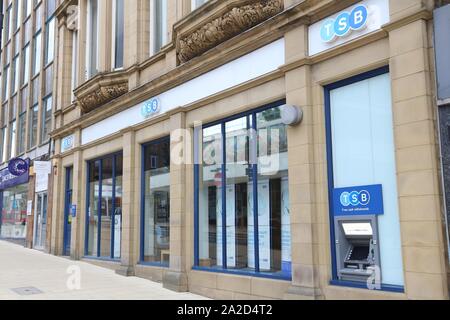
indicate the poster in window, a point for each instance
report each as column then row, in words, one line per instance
column 263, row 225
column 285, row 227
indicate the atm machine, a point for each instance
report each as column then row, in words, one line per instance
column 357, row 247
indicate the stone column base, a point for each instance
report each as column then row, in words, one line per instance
column 303, row 293
column 175, row 281
column 126, row 271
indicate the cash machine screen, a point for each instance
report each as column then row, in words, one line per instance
column 357, row 229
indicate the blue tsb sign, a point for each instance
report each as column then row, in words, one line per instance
column 364, row 200
column 344, row 23
column 151, row 108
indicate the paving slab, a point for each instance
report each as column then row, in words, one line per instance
column 33, row 275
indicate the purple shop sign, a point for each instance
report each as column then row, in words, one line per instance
column 9, row 180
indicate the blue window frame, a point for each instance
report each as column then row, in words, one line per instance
column 67, row 213
column 1, row 210
column 155, row 203
column 251, row 254
column 103, row 227
column 331, row 183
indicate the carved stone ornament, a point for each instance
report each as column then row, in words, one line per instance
column 102, row 95
column 72, row 17
column 229, row 25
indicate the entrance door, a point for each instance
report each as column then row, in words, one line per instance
column 67, row 213
column 40, row 221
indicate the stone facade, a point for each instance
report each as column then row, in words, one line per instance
column 404, row 44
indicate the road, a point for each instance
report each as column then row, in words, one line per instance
column 32, row 275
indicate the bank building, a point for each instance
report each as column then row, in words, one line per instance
column 237, row 149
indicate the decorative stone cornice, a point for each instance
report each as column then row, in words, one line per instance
column 235, row 21
column 100, row 90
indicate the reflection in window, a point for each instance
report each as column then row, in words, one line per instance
column 156, row 229
column 37, row 54
column 158, row 28
column 46, row 119
column 104, row 223
column 50, row 41
column 13, row 214
column 210, row 199
column 197, row 3
column 33, row 127
column 118, row 33
column 227, row 203
column 92, row 36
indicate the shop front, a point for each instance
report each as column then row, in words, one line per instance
column 240, row 230
column 14, row 201
column 304, row 168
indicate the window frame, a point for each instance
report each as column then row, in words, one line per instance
column 43, row 140
column 197, row 165
column 153, row 24
column 74, row 64
column 114, row 39
column 195, row 6
column 33, row 136
column 51, row 20
column 89, row 40
column 330, row 170
column 142, row 205
column 89, row 162
column 36, row 63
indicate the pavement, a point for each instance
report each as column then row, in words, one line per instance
column 33, row 275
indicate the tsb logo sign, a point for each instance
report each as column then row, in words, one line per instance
column 151, row 108
column 344, row 23
column 355, row 198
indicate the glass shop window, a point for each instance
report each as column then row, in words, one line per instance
column 236, row 157
column 360, row 124
column 104, row 212
column 156, row 228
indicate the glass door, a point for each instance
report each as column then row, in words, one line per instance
column 104, row 211
column 68, row 213
column 40, row 221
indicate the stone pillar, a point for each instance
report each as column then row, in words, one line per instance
column 175, row 278
column 183, row 8
column 78, row 198
column 63, row 72
column 55, row 200
column 134, row 42
column 30, row 219
column 414, row 110
column 132, row 31
column 305, row 279
column 130, row 207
